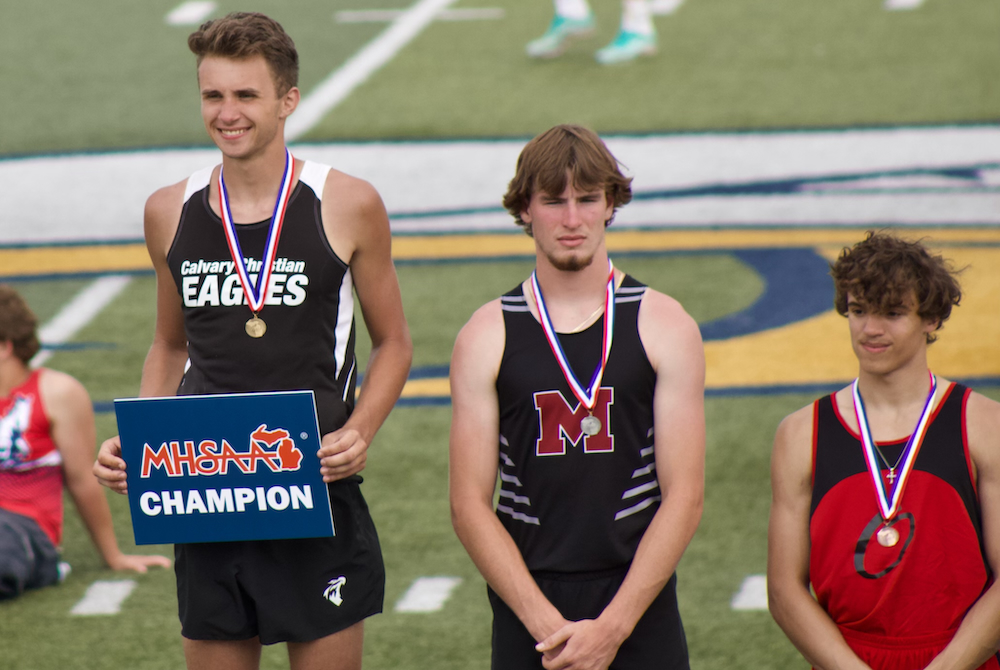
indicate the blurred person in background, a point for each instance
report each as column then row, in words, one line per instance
column 574, row 20
column 47, row 441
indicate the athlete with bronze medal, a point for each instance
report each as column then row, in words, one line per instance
column 590, row 424
column 889, row 501
column 256, row 293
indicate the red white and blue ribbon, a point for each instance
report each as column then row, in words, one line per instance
column 889, row 500
column 257, row 293
column 586, row 395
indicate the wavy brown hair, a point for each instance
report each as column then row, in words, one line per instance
column 885, row 273
column 546, row 160
column 241, row 35
column 18, row 324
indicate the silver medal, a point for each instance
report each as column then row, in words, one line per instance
column 590, row 425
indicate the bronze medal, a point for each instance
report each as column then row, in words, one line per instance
column 256, row 327
column 889, row 494
column 887, row 536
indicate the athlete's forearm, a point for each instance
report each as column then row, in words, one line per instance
column 496, row 556
column 163, row 370
column 93, row 509
column 809, row 627
column 656, row 558
column 977, row 639
column 388, row 368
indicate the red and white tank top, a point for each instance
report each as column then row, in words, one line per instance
column 31, row 475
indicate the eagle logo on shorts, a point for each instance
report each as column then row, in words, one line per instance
column 332, row 592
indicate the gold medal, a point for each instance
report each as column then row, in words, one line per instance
column 887, row 536
column 590, row 425
column 256, row 294
column 256, row 327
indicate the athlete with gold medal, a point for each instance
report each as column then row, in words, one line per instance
column 332, row 231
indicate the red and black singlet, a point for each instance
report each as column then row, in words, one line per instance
column 905, row 600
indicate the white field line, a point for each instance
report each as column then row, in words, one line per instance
column 427, row 594
column 752, row 594
column 104, row 597
column 386, row 15
column 78, row 312
column 189, row 13
column 901, row 5
column 342, row 81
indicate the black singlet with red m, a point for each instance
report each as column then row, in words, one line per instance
column 571, row 502
column 923, row 586
column 309, row 311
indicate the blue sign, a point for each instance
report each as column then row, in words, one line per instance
column 217, row 468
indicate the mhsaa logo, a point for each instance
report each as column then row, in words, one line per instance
column 271, row 449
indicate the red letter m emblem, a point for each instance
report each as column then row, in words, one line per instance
column 558, row 422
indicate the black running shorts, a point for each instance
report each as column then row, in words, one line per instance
column 284, row 590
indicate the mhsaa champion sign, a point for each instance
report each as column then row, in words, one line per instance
column 213, row 468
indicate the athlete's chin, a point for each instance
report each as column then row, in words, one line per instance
column 875, row 365
column 570, row 262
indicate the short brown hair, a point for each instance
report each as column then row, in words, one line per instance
column 885, row 272
column 242, row 35
column 545, row 160
column 18, row 324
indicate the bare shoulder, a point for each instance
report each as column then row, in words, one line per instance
column 346, row 194
column 61, row 391
column 484, row 330
column 355, row 219
column 797, row 427
column 791, row 459
column 982, row 421
column 667, row 331
column 161, row 217
column 661, row 311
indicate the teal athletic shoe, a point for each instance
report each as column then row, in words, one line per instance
column 555, row 40
column 626, row 46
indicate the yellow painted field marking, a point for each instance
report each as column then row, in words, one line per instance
column 816, row 350
column 101, row 258
column 82, row 259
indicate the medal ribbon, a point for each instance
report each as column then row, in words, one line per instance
column 889, row 502
column 587, row 396
column 256, row 294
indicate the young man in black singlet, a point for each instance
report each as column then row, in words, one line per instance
column 211, row 337
column 560, row 383
column 886, row 494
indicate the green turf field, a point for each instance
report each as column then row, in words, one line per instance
column 111, row 73
column 407, row 490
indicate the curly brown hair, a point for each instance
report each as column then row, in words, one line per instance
column 885, row 272
column 18, row 324
column 545, row 161
column 242, row 35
